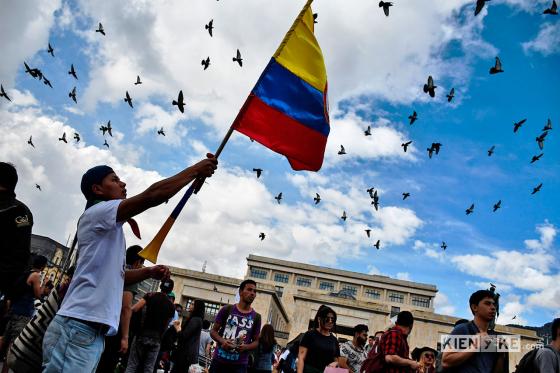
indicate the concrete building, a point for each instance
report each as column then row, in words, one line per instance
column 290, row 293
column 54, row 251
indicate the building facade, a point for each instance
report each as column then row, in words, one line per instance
column 56, row 253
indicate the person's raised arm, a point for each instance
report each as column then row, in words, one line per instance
column 165, row 189
column 157, row 272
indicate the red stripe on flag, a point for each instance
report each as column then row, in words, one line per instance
column 303, row 146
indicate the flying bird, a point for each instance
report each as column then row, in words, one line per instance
column 413, row 117
column 451, row 95
column 103, row 129
column 238, row 59
column 385, row 5
column 405, row 195
column 206, row 62
column 161, row 132
column 128, row 99
column 553, row 10
column 38, row 186
column 278, row 198
column 470, row 210
column 4, row 94
column 109, row 129
column 47, row 82
column 536, row 157
column 63, row 138
column 210, row 27
column 72, row 95
column 262, row 236
column 30, row 141
column 540, row 140
column 517, row 125
column 50, row 50
column 548, row 126
column 73, row 72
column 370, row 191
column 405, row 145
column 106, row 144
column 180, row 102
column 342, row 151
column 377, row 244
column 497, row 205
column 537, row 188
column 479, row 6
column 497, row 68
column 100, row 29
column 368, row 232
column 367, row 132
column 35, row 73
column 429, row 87
column 443, row 245
column 430, row 152
column 138, row 81
column 375, row 201
column 343, row 217
column 258, row 171
column 436, row 146
column 77, row 137
column 491, row 150
column 317, row 198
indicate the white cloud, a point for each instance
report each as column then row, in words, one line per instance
column 511, row 310
column 403, row 276
column 547, row 42
column 442, row 304
column 547, row 233
column 152, row 118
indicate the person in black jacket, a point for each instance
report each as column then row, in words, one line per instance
column 188, row 338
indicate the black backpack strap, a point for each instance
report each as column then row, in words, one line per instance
column 228, row 308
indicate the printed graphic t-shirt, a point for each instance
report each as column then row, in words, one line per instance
column 240, row 327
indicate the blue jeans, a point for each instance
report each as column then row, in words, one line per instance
column 72, row 346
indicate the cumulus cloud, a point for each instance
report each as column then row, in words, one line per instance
column 547, row 41
column 442, row 304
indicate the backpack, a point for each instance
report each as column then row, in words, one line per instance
column 528, row 363
column 375, row 361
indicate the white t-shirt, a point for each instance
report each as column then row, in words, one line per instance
column 95, row 292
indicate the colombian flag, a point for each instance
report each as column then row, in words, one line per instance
column 287, row 110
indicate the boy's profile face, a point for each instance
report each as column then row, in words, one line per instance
column 111, row 187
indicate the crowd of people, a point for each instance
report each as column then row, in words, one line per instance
column 98, row 326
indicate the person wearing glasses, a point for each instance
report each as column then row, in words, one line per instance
column 319, row 347
column 426, row 357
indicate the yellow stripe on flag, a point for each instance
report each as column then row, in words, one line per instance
column 151, row 251
column 300, row 52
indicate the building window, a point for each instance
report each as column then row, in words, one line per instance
column 420, row 301
column 351, row 289
column 325, row 285
column 395, row 311
column 373, row 293
column 259, row 273
column 279, row 291
column 303, row 281
column 281, row 277
column 396, row 297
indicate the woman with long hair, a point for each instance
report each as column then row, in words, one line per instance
column 264, row 355
column 188, row 338
column 319, row 347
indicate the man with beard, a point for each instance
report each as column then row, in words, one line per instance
column 352, row 353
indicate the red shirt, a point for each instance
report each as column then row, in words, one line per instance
column 393, row 342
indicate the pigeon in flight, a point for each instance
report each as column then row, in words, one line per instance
column 109, row 129
column 342, row 151
column 540, row 140
column 443, row 245
column 258, row 171
column 368, row 232
column 405, row 145
column 238, row 59
column 479, row 6
column 343, row 217
column 73, row 72
column 317, row 198
column 278, row 198
column 315, row 15
column 100, row 29
column 161, row 132
column 413, row 117
column 405, row 195
column 377, row 244
column 537, row 189
column 180, row 102
column 436, row 146
column 367, row 132
column 4, row 94
column 470, row 210
column 497, row 68
column 491, row 150
column 262, row 236
column 63, row 138
column 35, row 73
column 77, row 137
column 38, row 186
column 72, row 95
column 375, row 201
column 536, row 157
column 451, row 95
column 106, row 144
column 517, row 125
column 210, row 27
column 548, row 126
column 430, row 152
column 47, row 82
column 553, row 10
column 385, row 5
column 429, row 87
column 128, row 99
column 370, row 191
column 50, row 50
column 103, row 129
column 205, row 62
column 497, row 205
column 138, row 81
column 30, row 141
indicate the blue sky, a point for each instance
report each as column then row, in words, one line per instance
column 376, row 68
